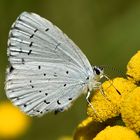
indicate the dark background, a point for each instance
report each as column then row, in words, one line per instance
column 108, row 32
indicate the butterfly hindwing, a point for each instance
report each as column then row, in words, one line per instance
column 47, row 70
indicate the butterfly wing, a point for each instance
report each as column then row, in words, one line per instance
column 47, row 70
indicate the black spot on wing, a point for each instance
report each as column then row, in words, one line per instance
column 29, row 52
column 47, row 29
column 32, row 36
column 46, row 102
column 70, row 99
column 87, row 78
column 23, row 61
column 37, row 111
column 11, row 69
column 35, row 30
column 30, row 44
column 58, row 102
column 55, row 75
column 58, row 110
column 32, row 86
column 46, row 110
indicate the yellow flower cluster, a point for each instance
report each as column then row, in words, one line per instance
column 116, row 133
column 109, row 106
column 130, row 110
column 133, row 68
column 86, row 130
column 122, row 98
column 13, row 122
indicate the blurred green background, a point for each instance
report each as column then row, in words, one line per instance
column 108, row 32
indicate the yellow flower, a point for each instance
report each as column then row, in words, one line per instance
column 116, row 133
column 109, row 106
column 133, row 67
column 130, row 110
column 12, row 122
column 65, row 138
column 87, row 129
column 122, row 96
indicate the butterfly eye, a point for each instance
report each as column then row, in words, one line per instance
column 97, row 71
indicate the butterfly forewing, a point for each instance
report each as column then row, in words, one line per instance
column 47, row 70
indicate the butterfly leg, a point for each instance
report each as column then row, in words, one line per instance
column 102, row 91
column 87, row 98
column 100, row 87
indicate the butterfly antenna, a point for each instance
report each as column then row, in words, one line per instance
column 112, row 68
column 112, row 83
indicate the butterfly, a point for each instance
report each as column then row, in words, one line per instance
column 47, row 72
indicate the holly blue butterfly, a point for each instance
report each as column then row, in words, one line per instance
column 47, row 70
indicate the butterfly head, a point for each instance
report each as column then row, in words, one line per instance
column 98, row 72
column 93, row 80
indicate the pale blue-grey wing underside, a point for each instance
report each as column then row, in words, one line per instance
column 47, row 70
